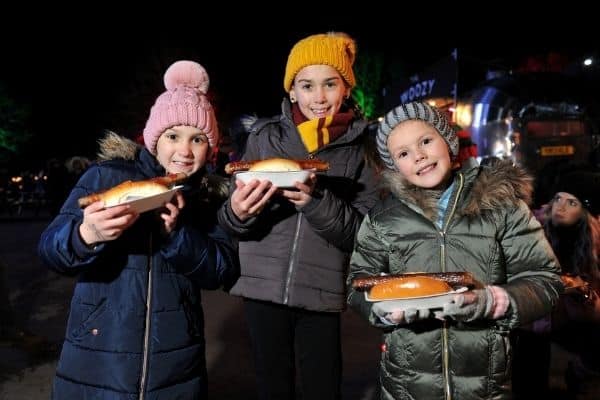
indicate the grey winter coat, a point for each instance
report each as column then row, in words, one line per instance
column 300, row 257
column 487, row 230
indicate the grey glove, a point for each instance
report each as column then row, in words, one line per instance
column 469, row 306
column 377, row 310
column 412, row 314
column 399, row 317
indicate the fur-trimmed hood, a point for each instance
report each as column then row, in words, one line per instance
column 113, row 146
column 487, row 188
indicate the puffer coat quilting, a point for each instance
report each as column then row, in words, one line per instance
column 299, row 257
column 488, row 230
column 143, row 280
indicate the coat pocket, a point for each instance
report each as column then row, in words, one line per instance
column 87, row 314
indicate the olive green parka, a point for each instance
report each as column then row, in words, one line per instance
column 487, row 230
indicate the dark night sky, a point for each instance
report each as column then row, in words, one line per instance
column 82, row 77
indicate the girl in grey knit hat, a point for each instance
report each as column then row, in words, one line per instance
column 418, row 112
column 437, row 219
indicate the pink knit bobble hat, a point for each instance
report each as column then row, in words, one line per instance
column 184, row 103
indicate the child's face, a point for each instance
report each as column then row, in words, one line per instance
column 420, row 153
column 182, row 149
column 566, row 209
column 320, row 91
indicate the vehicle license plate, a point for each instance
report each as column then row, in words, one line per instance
column 557, row 151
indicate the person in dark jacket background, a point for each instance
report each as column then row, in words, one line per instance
column 136, row 328
column 295, row 243
column 571, row 225
column 437, row 219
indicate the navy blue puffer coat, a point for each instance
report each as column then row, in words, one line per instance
column 136, row 326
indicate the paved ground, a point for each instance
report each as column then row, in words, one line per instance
column 41, row 299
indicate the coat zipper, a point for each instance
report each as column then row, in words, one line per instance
column 288, row 279
column 147, row 327
column 445, row 352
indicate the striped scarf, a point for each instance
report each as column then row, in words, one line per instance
column 318, row 132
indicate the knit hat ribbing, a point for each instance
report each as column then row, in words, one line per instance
column 414, row 111
column 184, row 103
column 335, row 49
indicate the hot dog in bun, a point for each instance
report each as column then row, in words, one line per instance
column 409, row 286
column 455, row 279
column 276, row 165
column 128, row 189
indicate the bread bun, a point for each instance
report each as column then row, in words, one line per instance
column 275, row 165
column 404, row 287
column 123, row 192
column 130, row 190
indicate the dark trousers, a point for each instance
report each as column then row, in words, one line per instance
column 532, row 356
column 531, row 365
column 284, row 338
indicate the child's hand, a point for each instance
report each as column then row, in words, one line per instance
column 170, row 217
column 409, row 316
column 248, row 200
column 104, row 224
column 402, row 317
column 491, row 302
column 470, row 306
column 302, row 196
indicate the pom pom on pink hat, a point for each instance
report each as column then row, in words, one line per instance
column 184, row 103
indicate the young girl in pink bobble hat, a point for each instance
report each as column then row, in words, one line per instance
column 135, row 327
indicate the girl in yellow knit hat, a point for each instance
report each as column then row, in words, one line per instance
column 294, row 242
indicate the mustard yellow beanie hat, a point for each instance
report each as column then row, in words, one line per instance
column 335, row 49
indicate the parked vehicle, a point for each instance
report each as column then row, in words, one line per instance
column 539, row 120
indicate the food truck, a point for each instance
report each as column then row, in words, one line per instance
column 534, row 119
column 539, row 120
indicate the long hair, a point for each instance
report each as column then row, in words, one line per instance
column 582, row 257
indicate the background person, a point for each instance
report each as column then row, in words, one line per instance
column 572, row 227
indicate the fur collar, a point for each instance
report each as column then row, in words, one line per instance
column 113, row 146
column 487, row 188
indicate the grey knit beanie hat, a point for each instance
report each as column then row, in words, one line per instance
column 414, row 111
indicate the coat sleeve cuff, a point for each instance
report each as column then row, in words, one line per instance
column 80, row 248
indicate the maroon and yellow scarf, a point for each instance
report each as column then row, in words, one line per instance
column 316, row 133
